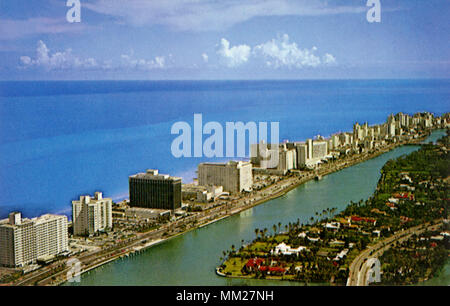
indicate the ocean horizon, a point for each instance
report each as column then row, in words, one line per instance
column 63, row 139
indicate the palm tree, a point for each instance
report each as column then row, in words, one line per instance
column 256, row 232
column 274, row 227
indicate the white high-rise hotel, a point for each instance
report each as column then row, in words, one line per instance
column 24, row 241
column 233, row 176
column 91, row 214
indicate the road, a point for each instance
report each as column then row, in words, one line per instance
column 93, row 259
column 358, row 271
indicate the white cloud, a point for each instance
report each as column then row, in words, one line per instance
column 26, row 60
column 235, row 55
column 205, row 57
column 11, row 29
column 276, row 53
column 141, row 64
column 207, row 15
column 65, row 60
column 281, row 52
column 329, row 59
column 56, row 61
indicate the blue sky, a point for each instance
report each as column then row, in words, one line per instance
column 226, row 39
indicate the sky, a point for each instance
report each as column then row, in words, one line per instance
column 223, row 39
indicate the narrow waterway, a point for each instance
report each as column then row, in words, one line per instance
column 190, row 259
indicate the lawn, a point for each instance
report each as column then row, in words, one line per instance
column 234, row 266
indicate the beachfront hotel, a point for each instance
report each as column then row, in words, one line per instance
column 24, row 241
column 91, row 214
column 262, row 157
column 154, row 190
column 363, row 138
column 311, row 152
column 233, row 176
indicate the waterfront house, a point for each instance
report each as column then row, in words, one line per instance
column 391, row 205
column 377, row 211
column 406, row 187
column 337, row 243
column 437, row 237
column 272, row 270
column 302, row 235
column 341, row 255
column 332, row 225
column 393, row 200
column 253, row 264
column 312, row 239
column 404, row 219
column 285, row 249
column 364, row 219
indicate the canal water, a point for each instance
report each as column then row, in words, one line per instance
column 190, row 259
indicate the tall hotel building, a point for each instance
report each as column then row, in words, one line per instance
column 91, row 214
column 24, row 241
column 282, row 157
column 311, row 152
column 232, row 176
column 154, row 190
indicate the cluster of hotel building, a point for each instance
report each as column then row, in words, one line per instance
column 24, row 241
column 280, row 158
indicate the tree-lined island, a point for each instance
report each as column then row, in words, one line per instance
column 404, row 224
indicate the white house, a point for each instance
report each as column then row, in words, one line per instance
column 341, row 255
column 393, row 200
column 332, row 225
column 302, row 235
column 285, row 249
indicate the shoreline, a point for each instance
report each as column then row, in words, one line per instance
column 379, row 247
column 287, row 185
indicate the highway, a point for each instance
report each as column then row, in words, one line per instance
column 96, row 258
column 358, row 271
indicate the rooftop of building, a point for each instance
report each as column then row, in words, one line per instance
column 153, row 174
column 229, row 163
column 189, row 187
column 98, row 196
column 36, row 220
column 147, row 210
column 46, row 217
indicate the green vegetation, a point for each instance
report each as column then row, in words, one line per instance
column 10, row 277
column 414, row 260
column 147, row 228
column 412, row 190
